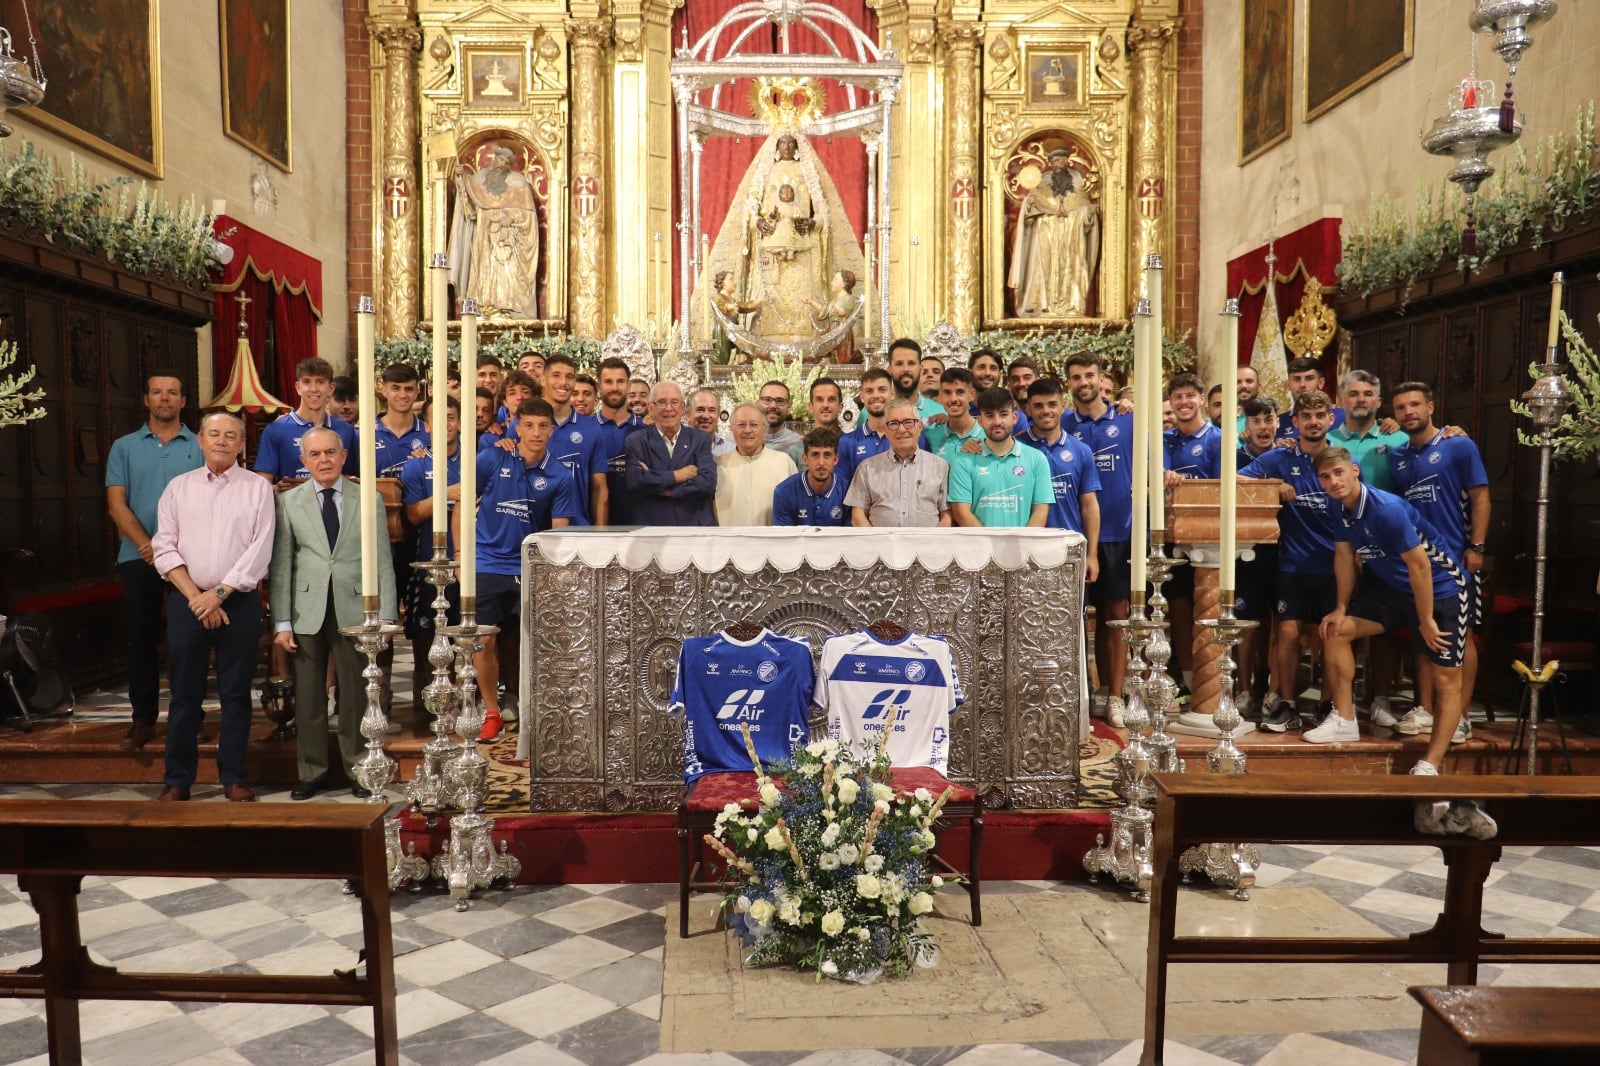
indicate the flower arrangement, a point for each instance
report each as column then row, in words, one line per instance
column 1051, row 348
column 15, row 397
column 1577, row 436
column 830, row 873
column 748, row 379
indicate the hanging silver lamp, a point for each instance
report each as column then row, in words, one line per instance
column 20, row 84
column 1508, row 21
column 1467, row 134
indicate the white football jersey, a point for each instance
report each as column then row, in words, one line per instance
column 863, row 683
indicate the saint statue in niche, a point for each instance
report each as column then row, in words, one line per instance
column 787, row 253
column 1056, row 246
column 842, row 303
column 494, row 238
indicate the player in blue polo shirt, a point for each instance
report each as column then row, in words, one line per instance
column 1306, row 526
column 1005, row 484
column 617, row 424
column 1443, row 478
column 520, row 492
column 814, row 496
column 1073, row 476
column 1109, row 437
column 575, row 441
column 278, row 453
column 398, row 434
column 868, row 438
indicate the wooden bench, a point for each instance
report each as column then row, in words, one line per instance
column 1508, row 1026
column 51, row 845
column 1359, row 809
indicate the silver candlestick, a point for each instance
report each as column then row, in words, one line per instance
column 469, row 860
column 1160, row 691
column 430, row 789
column 375, row 770
column 1232, row 865
column 1126, row 857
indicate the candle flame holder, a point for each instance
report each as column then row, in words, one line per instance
column 430, row 790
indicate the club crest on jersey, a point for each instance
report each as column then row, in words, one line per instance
column 576, row 436
column 879, row 707
column 742, row 705
column 1433, row 458
column 1018, row 470
column 837, row 512
column 539, row 484
column 767, row 670
column 915, row 671
column 1111, row 432
column 1195, row 450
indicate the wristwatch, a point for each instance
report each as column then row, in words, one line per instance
column 222, row 592
column 1479, row 548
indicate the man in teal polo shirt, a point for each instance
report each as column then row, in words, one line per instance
column 1361, row 434
column 137, row 471
column 1005, row 484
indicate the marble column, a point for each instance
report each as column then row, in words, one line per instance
column 587, row 255
column 964, row 221
column 401, row 40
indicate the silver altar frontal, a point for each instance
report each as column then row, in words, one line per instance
column 605, row 613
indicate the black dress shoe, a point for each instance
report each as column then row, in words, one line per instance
column 306, row 789
column 360, row 793
column 138, row 735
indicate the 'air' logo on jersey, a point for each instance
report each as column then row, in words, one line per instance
column 742, row 705
column 879, row 707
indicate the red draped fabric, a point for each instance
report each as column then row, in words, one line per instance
column 725, row 159
column 1309, row 252
column 264, row 267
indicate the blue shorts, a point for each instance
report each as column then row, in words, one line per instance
column 1305, row 598
column 1116, row 574
column 1257, row 581
column 1395, row 610
column 499, row 599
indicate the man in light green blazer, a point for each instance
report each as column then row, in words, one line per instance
column 315, row 584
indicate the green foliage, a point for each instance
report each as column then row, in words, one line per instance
column 15, row 397
column 136, row 229
column 1529, row 199
column 1578, row 434
column 1051, row 348
column 506, row 347
column 747, row 382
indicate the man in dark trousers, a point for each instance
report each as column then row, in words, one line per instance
column 671, row 473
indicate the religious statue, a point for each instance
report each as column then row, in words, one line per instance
column 787, row 249
column 1057, row 245
column 842, row 303
column 494, row 239
column 727, row 300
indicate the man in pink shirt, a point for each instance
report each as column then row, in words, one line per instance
column 213, row 541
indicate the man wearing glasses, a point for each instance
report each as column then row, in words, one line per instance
column 904, row 486
column 775, row 404
column 671, row 473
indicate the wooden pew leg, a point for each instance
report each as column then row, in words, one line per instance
column 373, row 891
column 1163, row 923
column 1461, row 924
column 55, row 898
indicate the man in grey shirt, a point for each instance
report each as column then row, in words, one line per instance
column 775, row 405
column 904, row 486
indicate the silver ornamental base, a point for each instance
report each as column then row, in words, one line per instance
column 469, row 860
column 375, row 770
column 430, row 790
column 1231, row 865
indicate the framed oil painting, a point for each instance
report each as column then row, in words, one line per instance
column 1265, row 74
column 1055, row 78
column 255, row 77
column 101, row 59
column 494, row 77
column 1356, row 42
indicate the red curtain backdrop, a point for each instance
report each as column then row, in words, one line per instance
column 261, row 266
column 1309, row 252
column 724, row 159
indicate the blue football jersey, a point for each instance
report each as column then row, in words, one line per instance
column 1436, row 479
column 1110, row 438
column 1383, row 527
column 1073, row 472
column 1306, row 525
column 1196, row 456
column 723, row 683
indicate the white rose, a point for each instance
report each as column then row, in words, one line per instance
column 874, row 863
column 815, row 749
column 848, row 789
column 833, row 923
column 862, row 933
column 849, row 853
column 882, row 793
column 867, row 886
column 830, row 835
column 830, row 968
column 830, row 748
column 769, row 794
column 882, row 806
column 774, row 839
column 938, row 882
column 923, row 795
column 761, row 912
column 920, row 903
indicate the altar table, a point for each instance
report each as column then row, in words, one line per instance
column 605, row 612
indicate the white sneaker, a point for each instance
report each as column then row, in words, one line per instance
column 1416, row 720
column 1381, row 715
column 1115, row 711
column 1429, row 815
column 1334, row 729
column 1463, row 734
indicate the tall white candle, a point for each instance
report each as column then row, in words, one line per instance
column 367, row 406
column 467, row 504
column 1558, row 281
column 866, row 299
column 1230, row 445
column 1138, row 546
column 440, row 388
column 705, row 288
column 1158, row 483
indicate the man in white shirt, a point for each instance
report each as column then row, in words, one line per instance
column 747, row 476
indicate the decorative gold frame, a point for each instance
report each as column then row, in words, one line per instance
column 152, row 167
column 512, row 53
column 286, row 163
column 1247, row 63
column 1035, row 52
column 1401, row 57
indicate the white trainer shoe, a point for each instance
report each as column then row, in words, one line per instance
column 1334, row 729
column 1115, row 710
column 1416, row 720
column 1381, row 715
column 1462, row 734
column 1429, row 815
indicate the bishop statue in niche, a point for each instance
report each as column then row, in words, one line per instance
column 1056, row 245
column 494, row 238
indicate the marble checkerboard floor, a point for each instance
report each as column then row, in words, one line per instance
column 570, row 975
